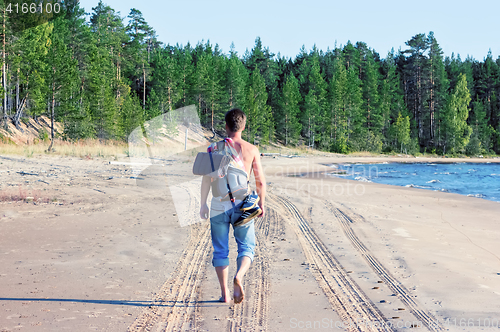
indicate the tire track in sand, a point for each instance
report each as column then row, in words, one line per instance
column 175, row 306
column 345, row 296
column 252, row 314
column 423, row 316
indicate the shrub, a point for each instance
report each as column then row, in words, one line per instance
column 473, row 148
column 43, row 135
column 366, row 142
column 339, row 146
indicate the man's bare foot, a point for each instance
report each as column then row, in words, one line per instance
column 225, row 299
column 239, row 294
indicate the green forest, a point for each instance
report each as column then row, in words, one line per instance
column 105, row 76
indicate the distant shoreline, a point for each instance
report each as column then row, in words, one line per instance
column 413, row 160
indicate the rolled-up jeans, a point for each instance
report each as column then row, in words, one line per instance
column 221, row 217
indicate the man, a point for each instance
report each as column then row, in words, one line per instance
column 220, row 220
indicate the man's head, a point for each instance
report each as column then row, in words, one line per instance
column 235, row 120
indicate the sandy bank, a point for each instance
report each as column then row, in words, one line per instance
column 107, row 251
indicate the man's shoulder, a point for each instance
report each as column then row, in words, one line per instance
column 250, row 147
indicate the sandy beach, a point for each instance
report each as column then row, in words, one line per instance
column 96, row 247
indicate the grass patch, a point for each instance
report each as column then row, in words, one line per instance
column 87, row 149
column 24, row 195
column 290, row 150
column 364, row 154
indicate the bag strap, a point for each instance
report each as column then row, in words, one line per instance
column 221, row 146
column 231, row 147
column 211, row 161
column 210, row 150
column 231, row 198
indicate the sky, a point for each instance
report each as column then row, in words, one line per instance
column 467, row 28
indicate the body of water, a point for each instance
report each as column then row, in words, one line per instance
column 478, row 180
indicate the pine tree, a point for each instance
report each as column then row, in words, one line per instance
column 301, row 69
column 201, row 86
column 327, row 63
column 391, row 100
column 487, row 86
column 482, row 133
column 166, row 78
column 455, row 66
column 102, row 84
column 415, row 81
column 355, row 120
column 262, row 59
column 352, row 57
column 62, row 75
column 236, row 80
column 337, row 102
column 186, row 66
column 5, row 48
column 100, row 96
column 388, row 89
column 373, row 119
column 438, row 87
column 257, row 111
column 130, row 113
column 77, row 36
column 79, row 42
column 138, row 52
column 209, row 92
column 32, row 47
column 314, row 109
column 287, row 120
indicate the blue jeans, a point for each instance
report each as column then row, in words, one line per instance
column 220, row 220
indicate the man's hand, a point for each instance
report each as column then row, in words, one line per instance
column 204, row 211
column 205, row 189
column 260, row 180
column 261, row 206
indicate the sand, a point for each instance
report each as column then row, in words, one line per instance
column 103, row 249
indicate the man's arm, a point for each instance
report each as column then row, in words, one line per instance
column 205, row 189
column 260, row 180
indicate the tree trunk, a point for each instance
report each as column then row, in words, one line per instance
column 17, row 89
column 19, row 112
column 309, row 131
column 52, row 111
column 199, row 107
column 52, row 117
column 4, row 85
column 286, row 129
column 144, row 88
column 169, row 98
column 431, row 106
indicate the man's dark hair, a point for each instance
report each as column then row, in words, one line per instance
column 235, row 120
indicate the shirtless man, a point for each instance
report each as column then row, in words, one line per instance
column 220, row 221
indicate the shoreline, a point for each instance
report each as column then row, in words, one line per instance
column 337, row 173
column 418, row 160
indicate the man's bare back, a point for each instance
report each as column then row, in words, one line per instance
column 247, row 151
